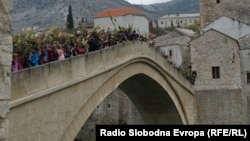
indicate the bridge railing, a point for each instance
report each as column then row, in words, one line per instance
column 44, row 77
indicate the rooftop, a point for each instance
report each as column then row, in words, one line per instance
column 173, row 38
column 187, row 32
column 119, row 12
column 229, row 26
column 181, row 15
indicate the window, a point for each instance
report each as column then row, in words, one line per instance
column 248, row 77
column 218, row 1
column 215, row 72
column 170, row 53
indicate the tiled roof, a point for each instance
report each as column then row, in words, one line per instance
column 119, row 12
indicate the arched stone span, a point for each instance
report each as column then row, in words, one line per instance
column 59, row 110
column 125, row 75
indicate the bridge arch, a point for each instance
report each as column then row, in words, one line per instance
column 56, row 107
column 148, row 70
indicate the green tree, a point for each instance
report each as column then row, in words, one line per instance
column 70, row 20
column 194, row 27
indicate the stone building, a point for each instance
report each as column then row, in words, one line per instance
column 213, row 9
column 5, row 63
column 244, row 44
column 174, row 46
column 178, row 20
column 231, row 27
column 220, row 57
column 216, row 60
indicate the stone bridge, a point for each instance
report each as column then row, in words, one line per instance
column 53, row 101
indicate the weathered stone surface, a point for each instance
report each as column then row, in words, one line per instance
column 4, row 108
column 5, row 15
column 117, row 108
column 225, row 106
column 5, row 65
column 4, row 125
column 5, row 82
column 218, row 101
column 215, row 49
column 237, row 9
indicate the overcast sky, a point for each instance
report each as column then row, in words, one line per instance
column 145, row 2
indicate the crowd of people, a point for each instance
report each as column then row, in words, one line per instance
column 32, row 48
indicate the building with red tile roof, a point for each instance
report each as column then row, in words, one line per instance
column 124, row 17
column 119, row 12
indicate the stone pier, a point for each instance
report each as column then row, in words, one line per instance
column 5, row 65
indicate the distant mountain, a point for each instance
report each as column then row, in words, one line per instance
column 45, row 13
column 175, row 6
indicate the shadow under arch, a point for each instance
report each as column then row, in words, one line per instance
column 127, row 72
column 151, row 100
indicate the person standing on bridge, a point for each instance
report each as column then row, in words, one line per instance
column 60, row 52
column 14, row 66
column 134, row 35
column 34, row 57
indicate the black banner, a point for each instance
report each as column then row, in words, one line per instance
column 165, row 132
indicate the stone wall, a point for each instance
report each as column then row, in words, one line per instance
column 5, row 63
column 237, row 9
column 79, row 66
column 116, row 109
column 245, row 67
column 214, row 49
column 218, row 101
column 222, row 106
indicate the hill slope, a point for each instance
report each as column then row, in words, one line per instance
column 45, row 13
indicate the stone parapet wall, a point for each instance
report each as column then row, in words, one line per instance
column 60, row 72
column 5, row 65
